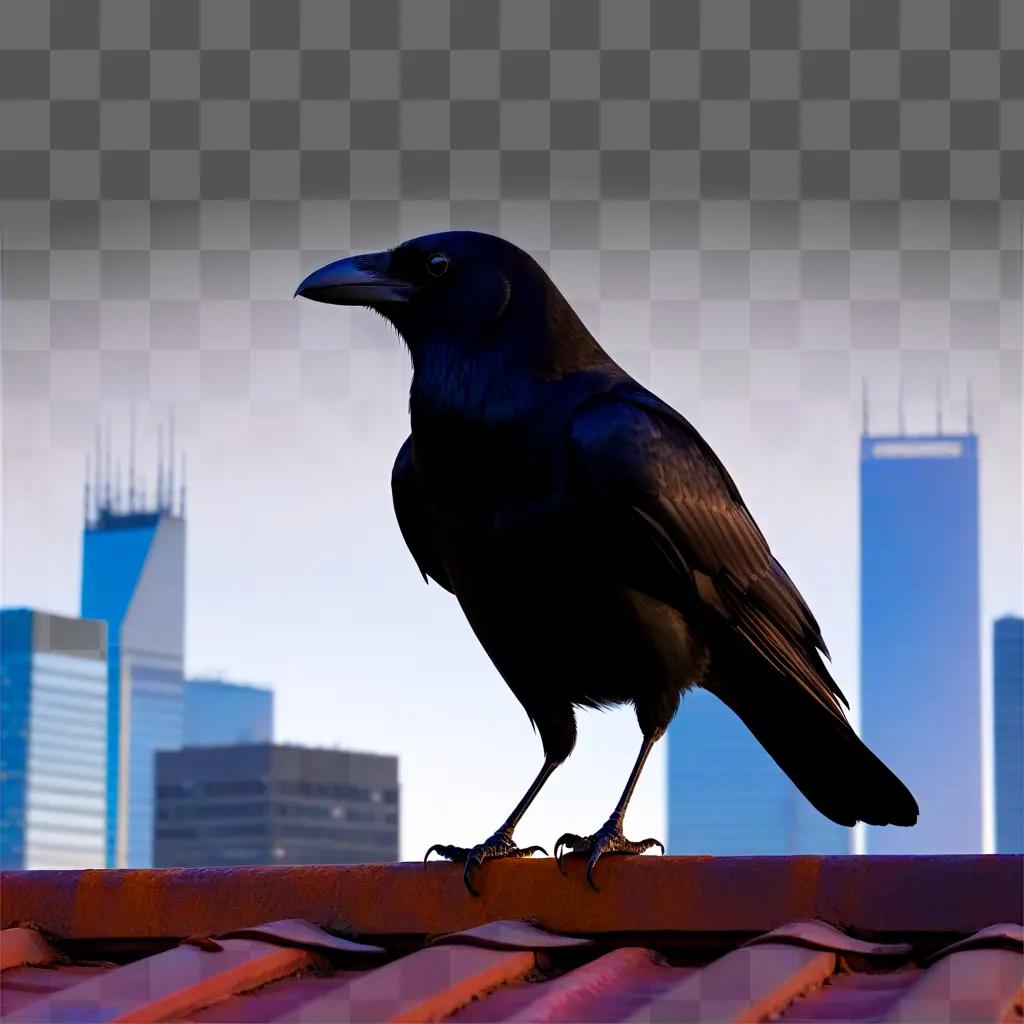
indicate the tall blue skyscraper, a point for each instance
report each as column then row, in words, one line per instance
column 726, row 796
column 133, row 577
column 53, row 741
column 220, row 714
column 1008, row 713
column 920, row 633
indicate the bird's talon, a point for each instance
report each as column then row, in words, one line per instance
column 605, row 840
column 498, row 847
column 436, row 848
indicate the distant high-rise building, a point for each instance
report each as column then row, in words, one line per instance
column 920, row 633
column 267, row 804
column 726, row 796
column 1008, row 712
column 53, row 740
column 219, row 713
column 133, row 577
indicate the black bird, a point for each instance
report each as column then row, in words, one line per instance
column 598, row 547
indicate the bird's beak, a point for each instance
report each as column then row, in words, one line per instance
column 356, row 281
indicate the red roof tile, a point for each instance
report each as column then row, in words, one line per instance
column 876, row 956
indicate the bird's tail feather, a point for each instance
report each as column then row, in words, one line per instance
column 815, row 747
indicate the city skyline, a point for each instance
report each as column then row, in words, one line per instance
column 272, row 803
column 727, row 797
column 921, row 692
column 133, row 578
column 53, row 722
column 218, row 712
column 610, row 728
column 1008, row 755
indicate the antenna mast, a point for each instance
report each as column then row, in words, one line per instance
column 181, row 500
column 97, row 486
column 131, row 459
column 159, row 465
column 110, row 430
column 170, row 463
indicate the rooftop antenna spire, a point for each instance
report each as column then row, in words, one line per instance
column 170, row 462
column 903, row 419
column 181, row 499
column 118, row 507
column 96, row 490
column 970, row 408
column 88, row 474
column 131, row 459
column 938, row 405
column 864, row 405
column 159, row 465
column 110, row 430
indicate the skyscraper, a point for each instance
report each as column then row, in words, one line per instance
column 133, row 577
column 920, row 639
column 53, row 740
column 726, row 796
column 1008, row 713
column 219, row 713
column 275, row 804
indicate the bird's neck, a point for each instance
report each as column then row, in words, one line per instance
column 493, row 375
column 471, row 384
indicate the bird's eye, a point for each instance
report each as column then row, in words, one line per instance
column 437, row 264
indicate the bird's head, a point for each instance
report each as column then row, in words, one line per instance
column 451, row 288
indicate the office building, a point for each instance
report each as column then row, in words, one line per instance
column 275, row 804
column 726, row 796
column 133, row 578
column 1008, row 715
column 920, row 633
column 53, row 740
column 219, row 713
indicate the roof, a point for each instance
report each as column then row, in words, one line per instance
column 666, row 939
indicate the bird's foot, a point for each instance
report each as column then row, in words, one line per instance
column 499, row 846
column 607, row 839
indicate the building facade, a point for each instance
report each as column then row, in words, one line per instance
column 1008, row 714
column 920, row 633
column 133, row 578
column 53, row 741
column 726, row 796
column 275, row 804
column 219, row 713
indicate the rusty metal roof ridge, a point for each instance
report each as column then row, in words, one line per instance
column 875, row 896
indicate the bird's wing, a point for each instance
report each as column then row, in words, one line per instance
column 413, row 516
column 647, row 467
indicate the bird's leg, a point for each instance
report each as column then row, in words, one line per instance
column 500, row 844
column 609, row 837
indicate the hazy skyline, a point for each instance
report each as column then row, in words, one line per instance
column 317, row 594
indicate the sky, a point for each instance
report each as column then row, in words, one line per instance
column 757, row 208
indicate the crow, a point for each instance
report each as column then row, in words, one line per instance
column 599, row 549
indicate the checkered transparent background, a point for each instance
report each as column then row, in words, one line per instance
column 770, row 199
